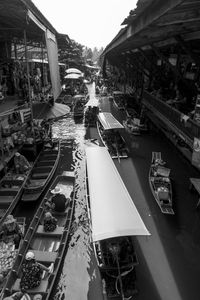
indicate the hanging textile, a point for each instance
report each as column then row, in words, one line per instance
column 25, row 115
column 52, row 50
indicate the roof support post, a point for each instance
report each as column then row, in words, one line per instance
column 29, row 85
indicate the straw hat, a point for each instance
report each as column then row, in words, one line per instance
column 48, row 215
column 56, row 190
column 30, row 255
column 9, row 219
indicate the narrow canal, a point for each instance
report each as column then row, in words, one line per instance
column 169, row 260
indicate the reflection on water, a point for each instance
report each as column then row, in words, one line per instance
column 74, row 277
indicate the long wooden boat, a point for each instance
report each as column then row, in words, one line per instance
column 42, row 172
column 160, row 183
column 108, row 129
column 8, row 253
column 11, row 189
column 48, row 247
column 114, row 222
column 118, row 100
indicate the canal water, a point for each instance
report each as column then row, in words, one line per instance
column 79, row 274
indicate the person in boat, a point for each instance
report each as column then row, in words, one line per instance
column 21, row 163
column 50, row 222
column 31, row 272
column 59, row 200
column 11, row 231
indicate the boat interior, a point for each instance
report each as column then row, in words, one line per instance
column 48, row 247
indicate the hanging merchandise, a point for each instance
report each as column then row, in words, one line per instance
column 197, row 110
column 196, row 153
column 25, row 115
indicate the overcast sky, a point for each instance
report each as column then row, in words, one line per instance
column 88, row 22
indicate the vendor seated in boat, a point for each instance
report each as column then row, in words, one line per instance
column 50, row 222
column 11, row 231
column 21, row 163
column 59, row 200
column 32, row 272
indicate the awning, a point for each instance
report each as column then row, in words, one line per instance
column 45, row 110
column 113, row 212
column 108, row 121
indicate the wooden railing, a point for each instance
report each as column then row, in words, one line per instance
column 190, row 129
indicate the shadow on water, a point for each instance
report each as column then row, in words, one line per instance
column 74, row 278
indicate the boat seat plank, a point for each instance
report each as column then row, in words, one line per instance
column 6, row 199
column 7, row 190
column 40, row 175
column 42, row 288
column 57, row 231
column 44, row 256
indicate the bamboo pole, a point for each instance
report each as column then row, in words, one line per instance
column 29, row 86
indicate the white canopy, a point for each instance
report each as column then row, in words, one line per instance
column 108, row 121
column 113, row 212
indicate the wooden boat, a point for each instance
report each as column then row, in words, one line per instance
column 108, row 129
column 8, row 253
column 118, row 100
column 42, row 172
column 114, row 222
column 11, row 189
column 48, row 247
column 160, row 183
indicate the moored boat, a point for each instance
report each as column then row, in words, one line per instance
column 160, row 183
column 42, row 172
column 11, row 189
column 108, row 128
column 115, row 222
column 48, row 247
column 119, row 100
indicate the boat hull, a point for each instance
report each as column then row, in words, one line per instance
column 41, row 174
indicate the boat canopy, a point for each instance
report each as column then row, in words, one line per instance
column 108, row 121
column 112, row 210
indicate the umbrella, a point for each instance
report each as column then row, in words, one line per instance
column 46, row 111
column 73, row 70
column 73, row 76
